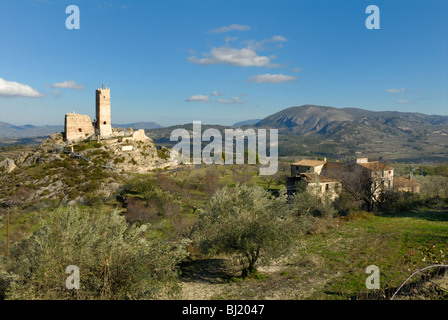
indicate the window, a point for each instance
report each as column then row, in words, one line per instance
column 327, row 187
column 104, row 122
column 79, row 129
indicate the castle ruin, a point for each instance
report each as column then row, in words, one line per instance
column 103, row 124
column 79, row 127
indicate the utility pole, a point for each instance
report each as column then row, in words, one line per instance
column 7, row 232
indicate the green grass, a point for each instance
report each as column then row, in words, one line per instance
column 397, row 244
column 332, row 265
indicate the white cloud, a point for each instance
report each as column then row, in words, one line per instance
column 296, row 69
column 232, row 27
column 15, row 89
column 277, row 39
column 230, row 39
column 217, row 93
column 271, row 78
column 259, row 45
column 395, row 90
column 234, row 100
column 405, row 101
column 198, row 98
column 67, row 85
column 236, row 57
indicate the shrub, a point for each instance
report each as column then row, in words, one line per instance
column 162, row 154
column 248, row 223
column 116, row 261
column 309, row 202
column 153, row 197
column 345, row 204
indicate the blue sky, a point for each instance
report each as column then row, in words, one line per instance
column 220, row 62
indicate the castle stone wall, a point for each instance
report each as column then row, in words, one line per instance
column 78, row 126
column 103, row 116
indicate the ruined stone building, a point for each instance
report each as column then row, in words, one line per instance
column 309, row 173
column 328, row 177
column 79, row 127
column 103, row 124
column 406, row 185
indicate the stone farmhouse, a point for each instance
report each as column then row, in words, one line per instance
column 406, row 185
column 328, row 177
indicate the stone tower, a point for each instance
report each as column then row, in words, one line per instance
column 103, row 124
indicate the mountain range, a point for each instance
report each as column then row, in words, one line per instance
column 309, row 119
column 321, row 131
column 8, row 130
column 341, row 133
column 246, row 123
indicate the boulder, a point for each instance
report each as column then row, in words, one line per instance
column 8, row 165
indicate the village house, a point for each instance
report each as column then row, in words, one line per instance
column 309, row 172
column 328, row 177
column 406, row 185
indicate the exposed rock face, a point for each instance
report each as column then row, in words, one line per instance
column 8, row 165
column 77, row 172
column 140, row 135
column 137, row 154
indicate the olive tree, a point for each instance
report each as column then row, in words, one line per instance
column 309, row 201
column 115, row 260
column 248, row 223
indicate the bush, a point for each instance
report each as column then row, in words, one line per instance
column 248, row 223
column 345, row 204
column 309, row 202
column 147, row 190
column 116, row 261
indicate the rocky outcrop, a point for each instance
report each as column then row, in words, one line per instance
column 8, row 165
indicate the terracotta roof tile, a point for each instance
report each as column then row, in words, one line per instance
column 400, row 182
column 309, row 163
column 376, row 166
column 312, row 177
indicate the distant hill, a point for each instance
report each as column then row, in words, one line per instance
column 319, row 131
column 310, row 119
column 347, row 132
column 246, row 123
column 138, row 125
column 28, row 130
column 8, row 130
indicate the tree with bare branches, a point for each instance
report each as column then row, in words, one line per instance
column 368, row 182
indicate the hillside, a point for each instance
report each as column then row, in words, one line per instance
column 308, row 119
column 317, row 131
column 313, row 131
column 326, row 131
column 246, row 123
column 138, row 125
column 8, row 130
column 28, row 130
